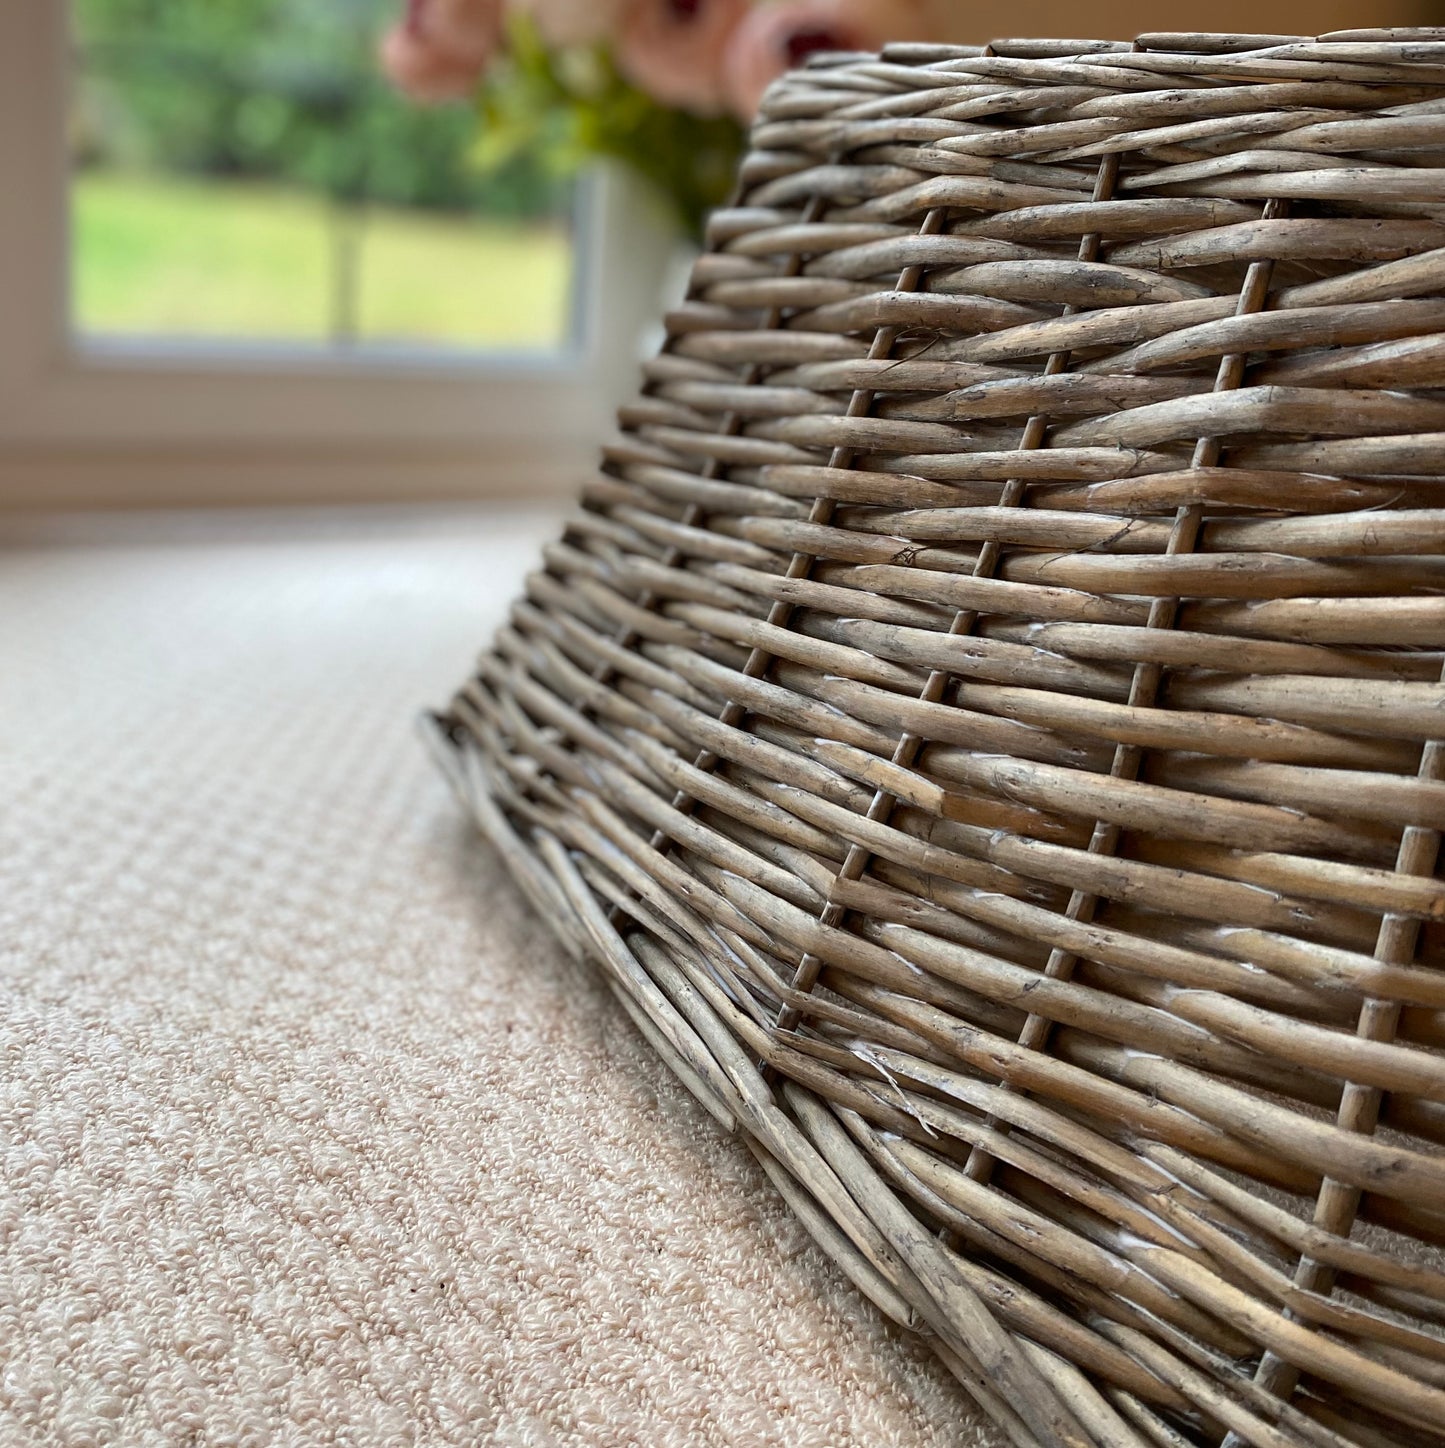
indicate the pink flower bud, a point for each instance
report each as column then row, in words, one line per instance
column 779, row 36
column 573, row 22
column 442, row 47
column 673, row 49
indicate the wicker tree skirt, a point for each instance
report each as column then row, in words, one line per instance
column 984, row 717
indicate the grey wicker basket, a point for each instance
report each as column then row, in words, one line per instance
column 985, row 717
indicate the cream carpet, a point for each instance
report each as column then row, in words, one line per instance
column 308, row 1132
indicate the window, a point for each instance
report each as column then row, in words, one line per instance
column 240, row 171
column 183, row 329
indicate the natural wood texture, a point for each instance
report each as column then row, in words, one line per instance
column 986, row 717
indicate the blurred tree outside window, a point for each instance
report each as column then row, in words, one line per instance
column 240, row 171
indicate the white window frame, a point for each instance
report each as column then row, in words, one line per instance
column 173, row 424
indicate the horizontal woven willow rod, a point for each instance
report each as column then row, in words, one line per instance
column 985, row 717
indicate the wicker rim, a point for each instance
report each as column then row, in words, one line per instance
column 985, row 716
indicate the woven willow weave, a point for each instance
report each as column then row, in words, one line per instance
column 985, row 717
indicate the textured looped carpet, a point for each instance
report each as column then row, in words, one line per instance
column 309, row 1134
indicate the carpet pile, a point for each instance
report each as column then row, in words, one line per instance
column 308, row 1132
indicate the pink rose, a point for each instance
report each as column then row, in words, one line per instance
column 574, row 22
column 673, row 49
column 442, row 47
column 779, row 36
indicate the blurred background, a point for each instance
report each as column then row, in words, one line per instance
column 319, row 250
column 243, row 169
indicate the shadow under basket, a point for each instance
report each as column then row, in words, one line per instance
column 984, row 717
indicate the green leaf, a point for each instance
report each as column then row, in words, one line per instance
column 567, row 114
